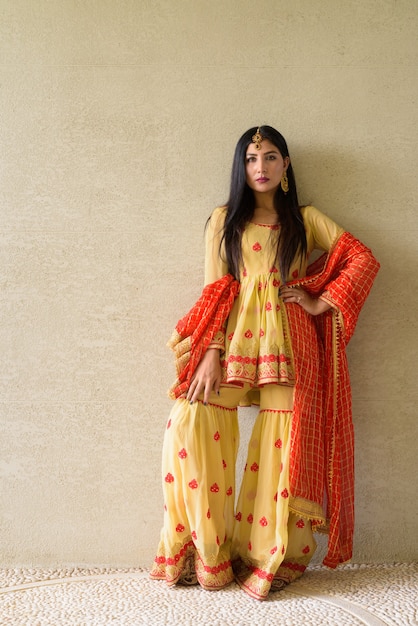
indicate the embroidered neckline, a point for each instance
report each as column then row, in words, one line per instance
column 272, row 226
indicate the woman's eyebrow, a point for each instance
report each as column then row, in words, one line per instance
column 265, row 153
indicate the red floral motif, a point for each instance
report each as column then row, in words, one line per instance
column 229, row 491
column 278, row 443
column 306, row 550
column 277, row 307
column 273, row 550
column 295, row 273
column 230, row 336
column 256, row 247
column 268, row 306
column 263, row 522
column 182, row 453
column 300, row 523
column 180, row 528
column 254, row 467
column 250, row 518
column 214, row 488
column 275, row 497
column 208, row 514
column 261, row 332
column 285, row 493
column 169, row 478
column 216, row 436
column 273, row 270
column 283, row 550
column 217, row 540
column 283, row 358
column 224, row 464
column 194, row 535
column 238, row 516
column 248, row 334
column 193, row 484
column 260, row 286
column 250, row 546
column 168, row 424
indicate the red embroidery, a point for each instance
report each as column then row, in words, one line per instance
column 285, row 493
column 229, row 492
column 256, row 247
column 268, row 306
column 276, row 283
column 208, row 514
column 182, row 453
column 217, row 540
column 254, row 467
column 179, row 528
column 250, row 546
column 306, row 550
column 273, row 270
column 261, row 332
column 273, row 550
column 169, row 478
column 214, row 488
column 275, row 497
column 263, row 522
column 300, row 523
column 283, row 550
column 250, row 518
column 278, row 443
column 295, row 273
column 230, row 336
column 194, row 535
column 193, row 484
column 216, row 436
column 224, row 464
column 248, row 334
column 238, row 516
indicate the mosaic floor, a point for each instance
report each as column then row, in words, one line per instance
column 371, row 595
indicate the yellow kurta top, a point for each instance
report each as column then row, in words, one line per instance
column 256, row 343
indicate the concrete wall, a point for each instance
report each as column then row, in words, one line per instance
column 118, row 125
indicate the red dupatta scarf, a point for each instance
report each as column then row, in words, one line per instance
column 322, row 441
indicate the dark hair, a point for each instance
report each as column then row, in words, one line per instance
column 241, row 206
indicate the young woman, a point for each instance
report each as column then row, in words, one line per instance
column 267, row 329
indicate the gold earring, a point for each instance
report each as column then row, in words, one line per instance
column 284, row 183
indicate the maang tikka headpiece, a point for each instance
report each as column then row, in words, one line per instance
column 257, row 139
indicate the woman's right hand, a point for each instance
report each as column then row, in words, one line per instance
column 207, row 377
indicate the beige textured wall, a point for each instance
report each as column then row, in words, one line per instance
column 118, row 124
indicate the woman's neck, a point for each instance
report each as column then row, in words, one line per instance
column 264, row 212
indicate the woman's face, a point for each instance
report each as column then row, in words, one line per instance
column 265, row 167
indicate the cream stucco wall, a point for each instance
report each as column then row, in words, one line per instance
column 118, row 124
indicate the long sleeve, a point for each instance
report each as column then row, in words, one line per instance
column 215, row 261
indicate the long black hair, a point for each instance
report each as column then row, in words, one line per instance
column 241, row 206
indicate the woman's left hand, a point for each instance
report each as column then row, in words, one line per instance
column 313, row 306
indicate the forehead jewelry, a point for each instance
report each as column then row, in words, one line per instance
column 257, row 139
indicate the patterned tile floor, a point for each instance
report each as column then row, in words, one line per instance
column 371, row 595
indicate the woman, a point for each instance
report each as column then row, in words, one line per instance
column 271, row 330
